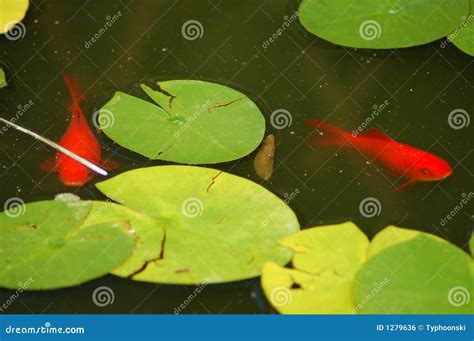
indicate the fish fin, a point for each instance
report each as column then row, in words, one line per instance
column 110, row 164
column 75, row 91
column 376, row 134
column 328, row 135
column 48, row 165
column 406, row 185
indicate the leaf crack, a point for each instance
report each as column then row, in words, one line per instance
column 215, row 106
column 212, row 183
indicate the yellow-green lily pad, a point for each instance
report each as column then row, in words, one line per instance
column 3, row 79
column 50, row 245
column 186, row 121
column 325, row 261
column 205, row 225
column 11, row 13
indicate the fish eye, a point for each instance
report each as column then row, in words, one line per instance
column 425, row 171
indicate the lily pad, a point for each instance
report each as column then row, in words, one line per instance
column 463, row 36
column 215, row 227
column 423, row 275
column 47, row 245
column 3, row 79
column 382, row 24
column 186, row 121
column 11, row 13
column 471, row 244
column 325, row 262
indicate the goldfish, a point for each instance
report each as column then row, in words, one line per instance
column 79, row 139
column 402, row 160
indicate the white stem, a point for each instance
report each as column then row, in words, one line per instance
column 58, row 147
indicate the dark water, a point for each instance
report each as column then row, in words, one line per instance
column 303, row 75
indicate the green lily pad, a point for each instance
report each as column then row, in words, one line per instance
column 47, row 245
column 463, row 36
column 325, row 261
column 382, row 24
column 12, row 12
column 212, row 226
column 185, row 121
column 422, row 276
column 3, row 79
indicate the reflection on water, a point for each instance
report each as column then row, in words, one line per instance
column 297, row 73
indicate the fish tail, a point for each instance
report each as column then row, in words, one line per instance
column 75, row 91
column 327, row 134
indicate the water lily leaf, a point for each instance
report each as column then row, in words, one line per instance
column 463, row 36
column 382, row 24
column 186, row 121
column 11, row 12
column 325, row 262
column 392, row 235
column 292, row 291
column 3, row 79
column 471, row 244
column 215, row 228
column 45, row 244
column 421, row 275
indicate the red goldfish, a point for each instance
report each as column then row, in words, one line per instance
column 78, row 139
column 402, row 160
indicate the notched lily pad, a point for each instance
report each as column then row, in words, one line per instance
column 325, row 262
column 215, row 228
column 47, row 245
column 186, row 121
column 382, row 24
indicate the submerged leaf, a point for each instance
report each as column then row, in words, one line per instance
column 185, row 121
column 49, row 245
column 263, row 162
column 382, row 24
column 200, row 224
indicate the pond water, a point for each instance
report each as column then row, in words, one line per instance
column 415, row 90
